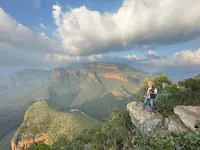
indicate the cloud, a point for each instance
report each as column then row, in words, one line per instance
column 187, row 58
column 131, row 57
column 184, row 58
column 145, row 22
column 42, row 26
column 57, row 11
column 19, row 45
column 64, row 58
column 153, row 55
column 18, row 35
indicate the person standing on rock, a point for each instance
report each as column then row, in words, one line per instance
column 150, row 96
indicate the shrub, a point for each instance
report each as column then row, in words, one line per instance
column 41, row 146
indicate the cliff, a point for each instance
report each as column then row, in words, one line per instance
column 87, row 87
column 106, row 70
column 43, row 123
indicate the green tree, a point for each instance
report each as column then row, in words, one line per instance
column 41, row 146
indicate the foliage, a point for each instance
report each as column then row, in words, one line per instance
column 40, row 146
column 118, row 133
column 185, row 92
column 156, row 142
column 114, row 134
column 158, row 82
column 191, row 84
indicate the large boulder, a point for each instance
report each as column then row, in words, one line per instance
column 174, row 124
column 144, row 121
column 189, row 115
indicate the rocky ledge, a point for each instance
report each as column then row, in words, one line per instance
column 143, row 119
column 183, row 119
column 188, row 114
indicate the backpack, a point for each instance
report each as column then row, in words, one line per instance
column 152, row 96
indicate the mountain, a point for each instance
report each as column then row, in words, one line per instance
column 16, row 95
column 45, row 123
column 93, row 88
column 23, row 80
column 95, row 85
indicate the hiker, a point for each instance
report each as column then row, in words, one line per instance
column 150, row 95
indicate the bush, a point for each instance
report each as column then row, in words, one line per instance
column 41, row 147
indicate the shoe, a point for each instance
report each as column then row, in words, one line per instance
column 152, row 113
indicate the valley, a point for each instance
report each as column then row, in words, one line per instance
column 95, row 89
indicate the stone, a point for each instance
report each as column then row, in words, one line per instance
column 174, row 124
column 143, row 120
column 189, row 115
column 166, row 122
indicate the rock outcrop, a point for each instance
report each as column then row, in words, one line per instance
column 91, row 75
column 25, row 144
column 143, row 119
column 189, row 115
column 43, row 124
column 106, row 70
column 183, row 119
column 174, row 124
column 113, row 75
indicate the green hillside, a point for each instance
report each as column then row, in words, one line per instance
column 44, row 119
column 90, row 88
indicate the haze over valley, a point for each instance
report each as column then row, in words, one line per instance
column 76, row 74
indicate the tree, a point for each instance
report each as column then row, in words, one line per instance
column 41, row 146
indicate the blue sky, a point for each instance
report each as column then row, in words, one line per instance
column 150, row 35
column 32, row 12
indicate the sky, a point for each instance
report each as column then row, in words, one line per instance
column 152, row 35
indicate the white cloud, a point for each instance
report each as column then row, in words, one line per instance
column 184, row 58
column 42, row 26
column 187, row 57
column 131, row 57
column 64, row 58
column 20, row 46
column 143, row 22
column 153, row 54
column 57, row 11
column 19, row 36
column 57, row 57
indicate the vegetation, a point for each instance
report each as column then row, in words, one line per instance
column 186, row 92
column 118, row 133
column 170, row 94
column 41, row 119
column 76, row 131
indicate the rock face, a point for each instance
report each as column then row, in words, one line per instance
column 113, row 75
column 105, row 70
column 25, row 144
column 43, row 124
column 174, row 124
column 143, row 119
column 189, row 115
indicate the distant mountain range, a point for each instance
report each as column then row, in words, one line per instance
column 93, row 88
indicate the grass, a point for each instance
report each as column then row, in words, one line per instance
column 42, row 119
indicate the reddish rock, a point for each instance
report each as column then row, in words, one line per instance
column 25, row 144
column 113, row 75
column 134, row 76
column 91, row 75
column 116, row 93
